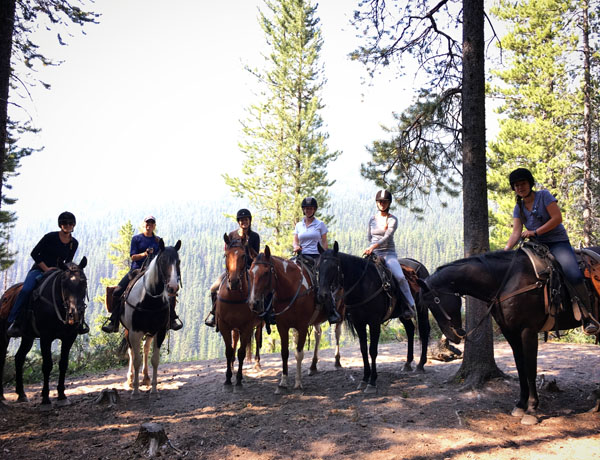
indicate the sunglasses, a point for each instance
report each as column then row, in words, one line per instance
column 67, row 222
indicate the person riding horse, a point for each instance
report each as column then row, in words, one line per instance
column 143, row 247
column 380, row 234
column 250, row 240
column 53, row 248
column 538, row 211
column 308, row 234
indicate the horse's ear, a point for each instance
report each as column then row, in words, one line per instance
column 161, row 244
column 83, row 262
column 336, row 247
column 423, row 284
column 62, row 265
column 267, row 252
column 178, row 245
column 320, row 248
column 226, row 239
column 252, row 252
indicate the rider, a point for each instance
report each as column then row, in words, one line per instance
column 250, row 239
column 380, row 234
column 308, row 233
column 539, row 212
column 52, row 248
column 143, row 246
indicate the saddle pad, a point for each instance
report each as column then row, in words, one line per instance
column 591, row 261
column 108, row 301
column 8, row 300
column 542, row 267
column 411, row 276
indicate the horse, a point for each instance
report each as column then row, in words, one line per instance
column 145, row 315
column 507, row 282
column 57, row 309
column 235, row 320
column 367, row 304
column 293, row 304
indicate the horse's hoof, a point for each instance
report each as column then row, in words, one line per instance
column 338, row 365
column 312, row 371
column 281, row 390
column 45, row 407
column 238, row 388
column 298, row 387
column 407, row 367
column 146, row 382
column 371, row 389
column 257, row 367
column 228, row 388
column 22, row 398
column 361, row 385
column 518, row 412
column 529, row 419
column 64, row 402
column 420, row 370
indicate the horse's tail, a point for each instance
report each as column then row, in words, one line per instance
column 123, row 347
column 349, row 325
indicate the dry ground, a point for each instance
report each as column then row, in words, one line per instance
column 412, row 416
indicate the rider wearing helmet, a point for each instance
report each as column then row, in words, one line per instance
column 54, row 247
column 250, row 239
column 380, row 234
column 143, row 247
column 309, row 232
column 538, row 211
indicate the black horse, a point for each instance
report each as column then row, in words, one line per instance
column 56, row 314
column 506, row 280
column 367, row 305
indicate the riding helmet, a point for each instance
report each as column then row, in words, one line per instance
column 310, row 201
column 520, row 174
column 243, row 213
column 65, row 217
column 383, row 195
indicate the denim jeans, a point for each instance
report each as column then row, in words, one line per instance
column 28, row 286
column 565, row 255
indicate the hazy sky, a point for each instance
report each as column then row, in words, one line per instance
column 146, row 106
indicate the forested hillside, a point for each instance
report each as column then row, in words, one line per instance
column 200, row 225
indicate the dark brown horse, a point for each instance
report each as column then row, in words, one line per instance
column 57, row 311
column 234, row 317
column 293, row 305
column 506, row 280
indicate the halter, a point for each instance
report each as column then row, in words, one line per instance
column 238, row 244
column 54, row 278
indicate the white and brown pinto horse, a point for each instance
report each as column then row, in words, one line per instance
column 293, row 302
column 146, row 313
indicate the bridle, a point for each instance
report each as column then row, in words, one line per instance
column 62, row 276
column 237, row 244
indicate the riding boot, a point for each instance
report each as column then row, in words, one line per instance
column 15, row 329
column 112, row 324
column 210, row 319
column 175, row 322
column 333, row 316
column 83, row 328
column 590, row 324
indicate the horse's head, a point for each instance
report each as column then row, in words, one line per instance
column 262, row 280
column 168, row 266
column 235, row 262
column 445, row 307
column 73, row 284
column 329, row 275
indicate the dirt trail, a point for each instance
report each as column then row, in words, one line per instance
column 412, row 416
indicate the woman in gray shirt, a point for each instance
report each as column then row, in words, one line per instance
column 380, row 234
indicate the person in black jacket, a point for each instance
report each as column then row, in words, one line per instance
column 54, row 247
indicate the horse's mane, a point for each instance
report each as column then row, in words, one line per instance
column 491, row 256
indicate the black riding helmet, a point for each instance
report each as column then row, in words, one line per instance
column 65, row 217
column 520, row 174
column 243, row 213
column 383, row 195
column 310, row 201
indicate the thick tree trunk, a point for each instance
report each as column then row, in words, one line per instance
column 478, row 363
column 587, row 130
column 7, row 25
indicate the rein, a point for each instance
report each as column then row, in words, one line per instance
column 54, row 278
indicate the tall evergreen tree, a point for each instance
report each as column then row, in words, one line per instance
column 285, row 142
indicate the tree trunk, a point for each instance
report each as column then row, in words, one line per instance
column 478, row 364
column 7, row 25
column 587, row 130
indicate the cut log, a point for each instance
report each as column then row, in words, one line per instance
column 108, row 395
column 151, row 436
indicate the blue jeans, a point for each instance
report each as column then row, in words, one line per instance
column 565, row 255
column 28, row 286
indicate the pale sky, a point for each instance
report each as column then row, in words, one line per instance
column 146, row 105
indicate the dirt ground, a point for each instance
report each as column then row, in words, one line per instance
column 412, row 416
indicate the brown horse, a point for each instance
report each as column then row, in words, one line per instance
column 293, row 305
column 234, row 318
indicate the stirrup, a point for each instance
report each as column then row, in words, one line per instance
column 210, row 320
column 83, row 328
column 334, row 317
column 110, row 327
column 176, row 324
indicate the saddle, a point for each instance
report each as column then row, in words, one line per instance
column 8, row 300
column 109, row 300
column 390, row 285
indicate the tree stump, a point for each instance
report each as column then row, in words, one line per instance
column 108, row 395
column 151, row 436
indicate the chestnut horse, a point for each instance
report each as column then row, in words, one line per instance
column 57, row 310
column 234, row 318
column 293, row 305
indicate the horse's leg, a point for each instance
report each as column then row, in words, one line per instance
column 4, row 339
column 530, row 350
column 315, row 360
column 424, row 330
column 409, row 327
column 135, row 360
column 46, row 348
column 338, row 334
column 155, row 361
column 300, row 337
column 361, row 331
column 514, row 340
column 63, row 366
column 26, row 344
column 258, row 341
column 375, row 331
column 227, row 335
column 284, row 334
column 145, row 376
column 245, row 340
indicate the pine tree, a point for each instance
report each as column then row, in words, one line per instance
column 285, row 143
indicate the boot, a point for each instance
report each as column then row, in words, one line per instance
column 175, row 322
column 83, row 328
column 111, row 325
column 15, row 329
column 590, row 324
column 334, row 317
column 210, row 320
